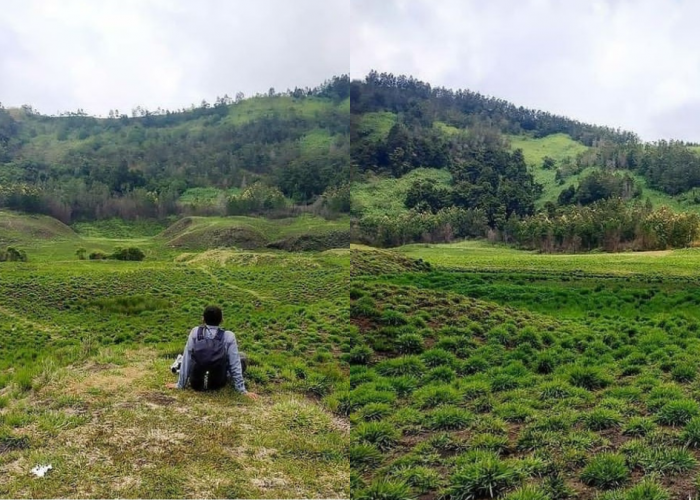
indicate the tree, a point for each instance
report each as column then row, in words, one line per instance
column 548, row 163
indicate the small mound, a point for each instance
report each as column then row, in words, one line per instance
column 16, row 228
column 375, row 262
column 177, row 228
column 224, row 257
column 238, row 237
column 313, row 242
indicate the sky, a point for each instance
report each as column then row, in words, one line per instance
column 99, row 55
column 632, row 64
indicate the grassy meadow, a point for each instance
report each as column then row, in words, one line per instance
column 487, row 372
column 86, row 346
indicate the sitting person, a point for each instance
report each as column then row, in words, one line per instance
column 211, row 357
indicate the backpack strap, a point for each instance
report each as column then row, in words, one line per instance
column 220, row 334
column 200, row 333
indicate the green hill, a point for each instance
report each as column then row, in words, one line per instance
column 435, row 164
column 79, row 167
column 294, row 234
column 22, row 229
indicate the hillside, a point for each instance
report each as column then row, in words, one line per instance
column 301, row 233
column 447, row 164
column 78, row 167
column 19, row 228
column 45, row 238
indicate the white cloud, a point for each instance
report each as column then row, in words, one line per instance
column 627, row 63
column 107, row 54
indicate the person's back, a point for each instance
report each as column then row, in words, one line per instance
column 211, row 357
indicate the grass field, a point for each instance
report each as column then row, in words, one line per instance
column 85, row 350
column 489, row 372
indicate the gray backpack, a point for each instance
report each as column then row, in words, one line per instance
column 210, row 361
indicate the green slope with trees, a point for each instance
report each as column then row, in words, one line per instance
column 79, row 167
column 508, row 168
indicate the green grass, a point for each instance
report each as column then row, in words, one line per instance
column 251, row 232
column 481, row 255
column 447, row 129
column 386, row 196
column 527, row 375
column 556, row 146
column 83, row 386
column 316, row 142
column 19, row 228
column 376, row 126
column 119, row 228
column 283, row 106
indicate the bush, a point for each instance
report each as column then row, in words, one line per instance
column 421, row 479
column 393, row 318
column 527, row 493
column 606, row 470
column 487, row 477
column 678, row 412
column 443, row 374
column 639, row 426
column 409, row 343
column 383, row 435
column 436, row 395
column 98, row 256
column 589, row 377
column 363, row 456
column 255, row 199
column 384, row 489
column 647, row 489
column 684, row 372
column 11, row 254
column 601, row 419
column 667, row 461
column 375, row 411
column 360, row 355
column 131, row 253
column 450, row 418
column 691, row 434
column 405, row 365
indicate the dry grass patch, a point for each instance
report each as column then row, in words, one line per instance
column 115, row 430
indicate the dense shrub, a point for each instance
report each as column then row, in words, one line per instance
column 606, row 470
column 131, row 253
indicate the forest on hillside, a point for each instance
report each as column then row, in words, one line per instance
column 399, row 124
column 263, row 153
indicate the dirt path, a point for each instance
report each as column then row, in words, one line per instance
column 255, row 294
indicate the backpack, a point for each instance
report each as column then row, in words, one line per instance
column 210, row 362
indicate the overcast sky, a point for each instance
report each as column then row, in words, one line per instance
column 628, row 63
column 59, row 55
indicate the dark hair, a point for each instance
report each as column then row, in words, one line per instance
column 213, row 315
